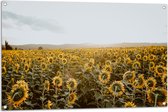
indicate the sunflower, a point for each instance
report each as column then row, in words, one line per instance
column 60, row 56
column 72, row 98
column 160, row 93
column 136, row 65
column 151, row 64
column 107, row 68
column 129, row 76
column 117, row 88
column 87, row 67
column 64, row 61
column 150, row 83
column 164, row 78
column 71, row 84
column 108, row 63
column 139, row 82
column 129, row 104
column 50, row 60
column 104, row 77
column 16, row 68
column 18, row 94
column 57, row 81
column 151, row 57
column 159, row 70
column 138, row 57
column 43, row 66
column 49, row 104
column 128, row 61
column 26, row 68
column 47, row 85
column 145, row 58
column 4, row 70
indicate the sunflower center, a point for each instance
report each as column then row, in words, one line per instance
column 71, row 97
column 71, row 84
column 150, row 83
column 160, row 70
column 57, row 81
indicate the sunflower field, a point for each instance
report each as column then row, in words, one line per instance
column 84, row 78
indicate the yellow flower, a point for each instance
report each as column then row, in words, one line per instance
column 104, row 77
column 129, row 76
column 64, row 61
column 43, row 66
column 145, row 58
column 150, row 83
column 159, row 70
column 71, row 84
column 49, row 104
column 72, row 98
column 18, row 94
column 57, row 81
column 164, row 78
column 50, row 60
column 117, row 88
column 92, row 61
column 136, row 65
column 4, row 70
column 138, row 57
column 47, row 85
column 26, row 68
column 140, row 82
column 107, row 68
column 108, row 63
column 129, row 104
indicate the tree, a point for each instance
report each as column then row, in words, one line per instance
column 7, row 46
column 40, row 48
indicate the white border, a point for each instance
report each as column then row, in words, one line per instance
column 107, row 109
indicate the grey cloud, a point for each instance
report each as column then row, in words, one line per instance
column 33, row 23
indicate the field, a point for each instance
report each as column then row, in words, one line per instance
column 84, row 78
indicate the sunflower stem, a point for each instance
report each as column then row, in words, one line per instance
column 156, row 97
column 114, row 96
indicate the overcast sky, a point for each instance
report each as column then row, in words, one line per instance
column 73, row 23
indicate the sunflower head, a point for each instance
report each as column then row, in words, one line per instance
column 50, row 60
column 158, row 93
column 71, row 84
column 26, row 68
column 150, row 83
column 145, row 58
column 18, row 94
column 129, row 76
column 4, row 70
column 49, row 104
column 138, row 57
column 159, row 70
column 57, row 81
column 43, row 66
column 117, row 88
column 151, row 64
column 136, row 65
column 129, row 105
column 107, row 68
column 164, row 78
column 47, row 85
column 139, row 82
column 108, row 63
column 104, row 77
column 64, row 61
column 72, row 98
